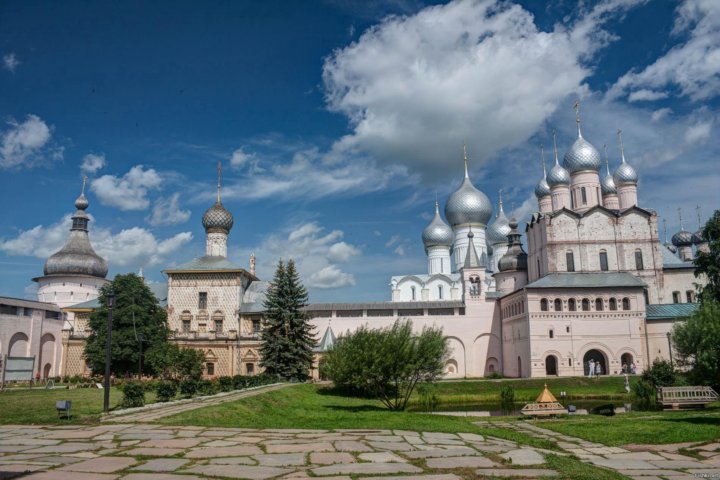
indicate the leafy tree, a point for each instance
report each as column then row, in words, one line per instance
column 709, row 263
column 136, row 314
column 388, row 363
column 697, row 343
column 660, row 374
column 172, row 361
column 287, row 337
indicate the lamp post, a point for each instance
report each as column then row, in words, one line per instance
column 110, row 301
column 141, row 338
column 670, row 348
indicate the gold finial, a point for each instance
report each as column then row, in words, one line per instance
column 622, row 147
column 465, row 159
column 555, row 148
column 219, row 171
column 577, row 116
column 85, row 179
column 607, row 163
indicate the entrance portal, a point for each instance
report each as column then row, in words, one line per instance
column 550, row 365
column 626, row 360
column 597, row 357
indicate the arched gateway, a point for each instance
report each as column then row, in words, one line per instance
column 596, row 356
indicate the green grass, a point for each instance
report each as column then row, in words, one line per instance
column 574, row 469
column 642, row 427
column 318, row 407
column 37, row 406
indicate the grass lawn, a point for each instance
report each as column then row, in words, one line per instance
column 36, row 406
column 642, row 427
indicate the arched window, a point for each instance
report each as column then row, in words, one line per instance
column 603, row 261
column 572, row 305
column 626, row 303
column 544, row 305
column 583, row 194
column 412, row 292
column 585, row 305
column 440, row 292
column 613, row 304
column 551, row 333
column 558, row 305
column 570, row 261
column 599, row 304
column 638, row 260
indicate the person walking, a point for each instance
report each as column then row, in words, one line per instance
column 591, row 368
column 633, row 368
column 598, row 369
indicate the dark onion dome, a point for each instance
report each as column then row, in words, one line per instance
column 499, row 229
column 515, row 258
column 437, row 233
column 77, row 256
column 698, row 237
column 683, row 238
column 467, row 205
column 217, row 218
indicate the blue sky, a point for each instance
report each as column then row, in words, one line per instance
column 337, row 122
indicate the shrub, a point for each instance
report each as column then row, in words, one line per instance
column 133, row 395
column 644, row 394
column 239, row 382
column 495, row 376
column 206, row 387
column 188, row 387
column 388, row 363
column 225, row 384
column 660, row 374
column 429, row 400
column 166, row 391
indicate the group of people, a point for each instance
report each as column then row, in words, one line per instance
column 595, row 369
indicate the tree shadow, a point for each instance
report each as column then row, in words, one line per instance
column 343, row 393
column 700, row 420
column 357, row 408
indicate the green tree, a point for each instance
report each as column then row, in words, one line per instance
column 287, row 337
column 136, row 314
column 708, row 263
column 388, row 363
column 177, row 363
column 697, row 343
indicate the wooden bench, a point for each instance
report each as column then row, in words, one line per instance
column 690, row 396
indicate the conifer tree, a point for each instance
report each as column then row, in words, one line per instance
column 287, row 335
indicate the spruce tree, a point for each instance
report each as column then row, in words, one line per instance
column 287, row 336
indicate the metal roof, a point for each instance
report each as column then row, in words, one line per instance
column 327, row 342
column 587, row 280
column 160, row 291
column 254, row 297
column 385, row 305
column 671, row 260
column 208, row 263
column 656, row 311
column 19, row 302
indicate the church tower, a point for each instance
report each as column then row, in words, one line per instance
column 218, row 222
column 626, row 179
column 437, row 239
column 583, row 162
column 473, row 272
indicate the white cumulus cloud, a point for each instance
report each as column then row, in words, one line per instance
column 27, row 143
column 92, row 163
column 342, row 252
column 10, row 62
column 128, row 192
column 330, row 277
column 167, row 211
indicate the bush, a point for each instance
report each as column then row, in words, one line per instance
column 207, row 387
column 494, row 376
column 225, row 384
column 644, row 394
column 188, row 387
column 133, row 395
column 429, row 400
column 239, row 382
column 166, row 391
column 661, row 374
column 387, row 363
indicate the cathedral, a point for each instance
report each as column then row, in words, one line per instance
column 596, row 283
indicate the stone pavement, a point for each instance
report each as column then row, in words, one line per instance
column 156, row 452
column 642, row 462
column 155, row 411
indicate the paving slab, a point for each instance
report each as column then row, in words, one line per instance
column 328, row 458
column 677, row 464
column 59, row 475
column 162, row 465
column 238, row 471
column 172, row 443
column 233, row 461
column 161, row 476
column 623, row 464
column 441, row 452
column 153, row 452
column 460, row 462
column 471, row 437
column 239, row 451
column 67, row 447
column 396, row 446
column 524, row 456
column 366, row 469
column 517, row 472
column 300, row 447
column 280, row 459
column 441, row 476
column 101, row 465
column 351, row 446
column 381, row 457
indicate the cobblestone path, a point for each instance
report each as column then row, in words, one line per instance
column 642, row 462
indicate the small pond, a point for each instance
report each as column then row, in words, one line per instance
column 497, row 410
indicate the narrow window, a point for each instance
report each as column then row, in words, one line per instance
column 599, row 304
column 613, row 304
column 570, row 260
column 250, row 368
column 676, row 297
column 585, row 305
column 583, row 193
column 440, row 292
column 412, row 292
column 603, row 261
column 544, row 305
column 256, row 326
column 647, row 297
column 552, row 333
column 567, row 329
column 626, row 303
column 558, row 305
column 569, row 362
column 186, row 326
column 442, row 265
column 538, row 266
column 638, row 260
column 202, row 300
column 572, row 306
column 210, row 368
column 218, row 326
column 690, row 296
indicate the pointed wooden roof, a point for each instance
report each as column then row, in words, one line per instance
column 546, row 396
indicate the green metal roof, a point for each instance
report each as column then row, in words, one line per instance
column 587, row 280
column 670, row 310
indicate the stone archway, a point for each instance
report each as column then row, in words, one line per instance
column 626, row 360
column 46, row 371
column 551, row 365
column 596, row 356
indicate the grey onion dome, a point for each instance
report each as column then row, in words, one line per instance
column 499, row 229
column 515, row 258
column 607, row 185
column 625, row 174
column 683, row 238
column 437, row 233
column 81, row 203
column 542, row 189
column 217, row 217
column 468, row 205
column 698, row 237
column 582, row 156
column 558, row 176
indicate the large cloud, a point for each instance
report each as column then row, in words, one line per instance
column 167, row 211
column 414, row 88
column 27, row 143
column 128, row 192
column 128, row 248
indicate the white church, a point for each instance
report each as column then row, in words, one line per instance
column 596, row 283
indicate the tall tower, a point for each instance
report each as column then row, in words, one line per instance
column 218, row 222
column 75, row 273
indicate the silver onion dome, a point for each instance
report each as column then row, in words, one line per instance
column 437, row 233
column 683, row 238
column 81, row 203
column 582, row 156
column 468, row 205
column 499, row 229
column 558, row 175
column 625, row 174
column 698, row 237
column 607, row 185
column 217, row 217
column 515, row 258
column 542, row 189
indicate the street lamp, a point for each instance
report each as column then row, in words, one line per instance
column 670, row 348
column 110, row 302
column 141, row 338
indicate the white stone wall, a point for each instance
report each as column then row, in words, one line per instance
column 682, row 281
column 33, row 336
column 65, row 291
